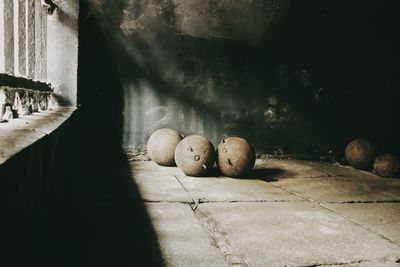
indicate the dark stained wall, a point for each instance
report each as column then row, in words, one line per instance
column 301, row 77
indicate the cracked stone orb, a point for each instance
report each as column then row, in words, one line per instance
column 387, row 165
column 235, row 157
column 195, row 155
column 360, row 154
column 161, row 146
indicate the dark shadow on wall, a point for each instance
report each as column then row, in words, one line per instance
column 70, row 198
column 105, row 203
column 323, row 74
column 350, row 55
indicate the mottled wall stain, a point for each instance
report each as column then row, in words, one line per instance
column 284, row 74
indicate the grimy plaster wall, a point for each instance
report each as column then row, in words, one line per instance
column 62, row 50
column 302, row 77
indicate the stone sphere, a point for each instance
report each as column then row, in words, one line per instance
column 235, row 157
column 387, row 165
column 360, row 154
column 161, row 146
column 195, row 155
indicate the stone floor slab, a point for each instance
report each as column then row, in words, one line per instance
column 102, row 233
column 296, row 234
column 229, row 189
column 367, row 264
column 160, row 187
column 333, row 189
column 272, row 169
column 336, row 170
column 383, row 218
column 183, row 242
column 158, row 183
column 150, row 167
column 22, row 132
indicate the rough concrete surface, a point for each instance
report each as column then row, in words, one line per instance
column 183, row 241
column 367, row 264
column 296, row 234
column 333, row 189
column 283, row 168
column 340, row 171
column 149, row 167
column 380, row 217
column 274, row 220
column 220, row 189
column 161, row 188
column 22, row 132
column 280, row 168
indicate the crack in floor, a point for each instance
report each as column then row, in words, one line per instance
column 219, row 239
column 376, row 261
column 194, row 204
column 362, row 201
column 205, row 201
column 167, row 201
column 214, row 231
column 336, row 263
column 232, row 257
column 292, row 192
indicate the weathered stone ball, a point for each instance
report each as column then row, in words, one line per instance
column 387, row 165
column 195, row 155
column 161, row 146
column 360, row 154
column 235, row 157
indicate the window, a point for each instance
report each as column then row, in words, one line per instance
column 23, row 42
column 37, row 81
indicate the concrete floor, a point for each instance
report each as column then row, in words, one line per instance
column 286, row 213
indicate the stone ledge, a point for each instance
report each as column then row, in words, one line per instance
column 22, row 132
column 19, row 102
column 21, row 96
column 25, row 83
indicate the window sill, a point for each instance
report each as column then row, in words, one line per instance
column 20, row 133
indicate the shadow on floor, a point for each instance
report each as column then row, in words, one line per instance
column 265, row 174
column 102, row 220
column 268, row 175
column 58, row 210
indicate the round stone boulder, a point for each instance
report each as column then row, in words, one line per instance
column 387, row 165
column 161, row 146
column 235, row 157
column 195, row 155
column 360, row 154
